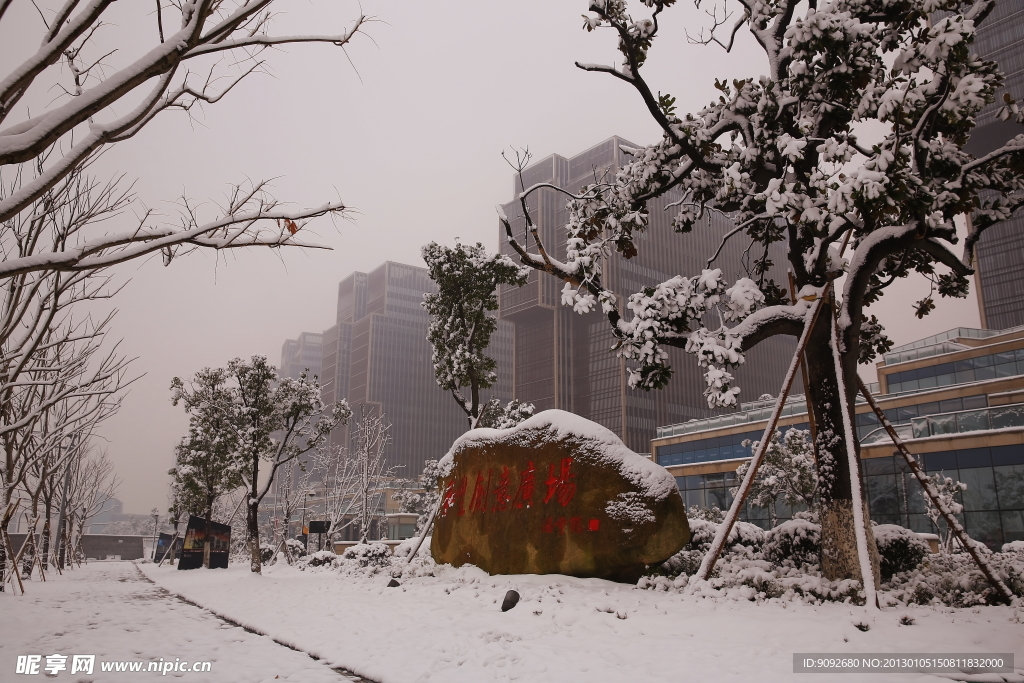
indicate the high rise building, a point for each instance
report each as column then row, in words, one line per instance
column 563, row 360
column 1000, row 252
column 377, row 355
column 301, row 354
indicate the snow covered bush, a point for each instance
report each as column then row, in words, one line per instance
column 797, row 541
column 319, row 559
column 744, row 539
column 266, row 553
column 708, row 514
column 1014, row 547
column 368, row 554
column 404, row 549
column 953, row 579
column 295, row 548
column 899, row 549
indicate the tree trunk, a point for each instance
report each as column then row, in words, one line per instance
column 30, row 551
column 839, row 559
column 253, row 534
column 209, row 531
column 5, row 522
column 46, row 541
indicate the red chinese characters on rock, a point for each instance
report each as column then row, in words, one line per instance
column 493, row 493
column 561, row 485
column 556, row 525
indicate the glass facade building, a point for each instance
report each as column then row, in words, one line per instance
column 304, row 353
column 1000, row 253
column 377, row 355
column 564, row 360
column 969, row 427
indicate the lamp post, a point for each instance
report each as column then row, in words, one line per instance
column 156, row 524
column 305, row 505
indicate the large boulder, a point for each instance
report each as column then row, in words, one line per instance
column 557, row 494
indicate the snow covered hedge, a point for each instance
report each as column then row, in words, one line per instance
column 795, row 542
column 783, row 564
column 899, row 549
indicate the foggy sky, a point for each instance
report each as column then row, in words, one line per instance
column 406, row 128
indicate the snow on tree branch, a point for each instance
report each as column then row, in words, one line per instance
column 64, row 138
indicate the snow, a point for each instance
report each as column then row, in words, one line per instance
column 448, row 627
column 109, row 609
column 652, row 479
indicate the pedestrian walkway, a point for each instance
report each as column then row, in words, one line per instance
column 111, row 611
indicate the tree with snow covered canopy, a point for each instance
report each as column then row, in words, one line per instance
column 104, row 101
column 787, row 473
column 949, row 489
column 206, row 464
column 272, row 420
column 467, row 278
column 782, row 155
column 420, row 502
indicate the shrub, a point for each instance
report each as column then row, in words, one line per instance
column 797, row 541
column 899, row 549
column 744, row 538
column 369, row 554
column 319, row 559
column 266, row 553
column 295, row 548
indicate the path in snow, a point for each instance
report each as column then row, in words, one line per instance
column 449, row 628
column 109, row 609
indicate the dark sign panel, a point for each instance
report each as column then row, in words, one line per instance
column 163, row 544
column 319, row 527
column 195, row 539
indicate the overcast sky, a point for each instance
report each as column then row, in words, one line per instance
column 407, row 127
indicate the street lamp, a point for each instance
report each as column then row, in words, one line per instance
column 309, row 494
column 156, row 523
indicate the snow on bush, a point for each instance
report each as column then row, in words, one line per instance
column 404, row 549
column 319, row 559
column 295, row 548
column 955, row 580
column 782, row 564
column 795, row 542
column 1014, row 547
column 368, row 554
column 899, row 549
column 744, row 539
column 266, row 553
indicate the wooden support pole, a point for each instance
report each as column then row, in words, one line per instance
column 955, row 527
column 170, row 550
column 707, row 565
column 426, row 527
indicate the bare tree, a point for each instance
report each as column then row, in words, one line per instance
column 354, row 478
column 225, row 37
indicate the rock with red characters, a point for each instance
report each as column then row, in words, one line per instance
column 557, row 494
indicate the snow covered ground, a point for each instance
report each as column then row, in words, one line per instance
column 449, row 628
column 108, row 609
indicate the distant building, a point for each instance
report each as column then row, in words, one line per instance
column 1000, row 253
column 113, row 511
column 563, row 360
column 956, row 398
column 377, row 355
column 304, row 353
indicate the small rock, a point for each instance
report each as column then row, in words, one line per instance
column 393, row 584
column 510, row 601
